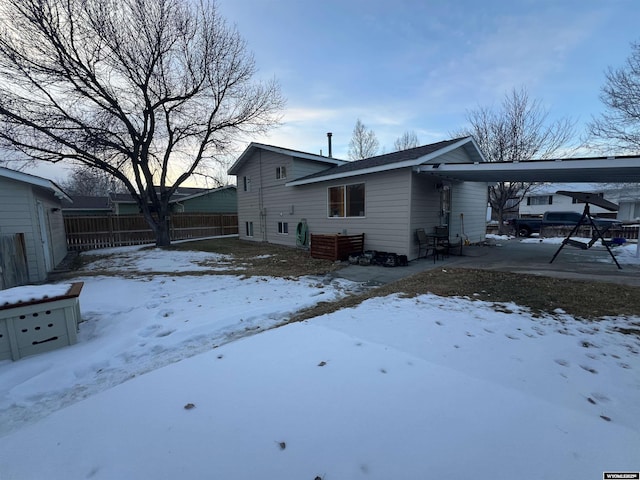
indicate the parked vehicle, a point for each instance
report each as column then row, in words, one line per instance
column 524, row 227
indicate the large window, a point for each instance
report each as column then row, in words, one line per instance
column 346, row 201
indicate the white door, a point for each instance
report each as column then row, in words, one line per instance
column 44, row 237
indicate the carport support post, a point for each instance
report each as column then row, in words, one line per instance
column 638, row 244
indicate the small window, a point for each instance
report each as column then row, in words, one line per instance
column 540, row 200
column 246, row 181
column 281, row 172
column 283, row 228
column 249, row 229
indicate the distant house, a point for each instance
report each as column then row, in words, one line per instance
column 31, row 206
column 386, row 197
column 185, row 200
column 544, row 198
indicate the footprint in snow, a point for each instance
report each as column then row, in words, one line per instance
column 589, row 369
column 562, row 362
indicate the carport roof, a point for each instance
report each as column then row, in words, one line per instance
column 576, row 170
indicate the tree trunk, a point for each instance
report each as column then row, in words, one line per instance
column 500, row 215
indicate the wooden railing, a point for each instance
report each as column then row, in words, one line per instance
column 105, row 231
column 336, row 247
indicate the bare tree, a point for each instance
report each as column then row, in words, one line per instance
column 619, row 125
column 408, row 140
column 91, row 181
column 516, row 132
column 363, row 144
column 145, row 90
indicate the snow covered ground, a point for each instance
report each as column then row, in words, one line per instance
column 183, row 376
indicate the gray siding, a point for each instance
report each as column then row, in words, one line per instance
column 220, row 201
column 425, row 208
column 469, row 199
column 397, row 202
column 19, row 214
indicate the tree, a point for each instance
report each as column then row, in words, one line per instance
column 363, row 144
column 145, row 90
column 91, row 181
column 619, row 125
column 406, row 141
column 516, row 132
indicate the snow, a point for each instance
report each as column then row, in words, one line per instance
column 187, row 376
column 31, row 293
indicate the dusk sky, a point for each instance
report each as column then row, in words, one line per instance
column 422, row 65
column 407, row 65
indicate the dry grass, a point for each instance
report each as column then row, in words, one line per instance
column 588, row 300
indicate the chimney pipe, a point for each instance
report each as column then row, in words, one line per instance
column 329, row 140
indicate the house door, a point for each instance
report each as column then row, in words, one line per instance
column 44, row 237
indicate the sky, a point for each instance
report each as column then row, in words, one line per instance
column 421, row 66
column 193, row 375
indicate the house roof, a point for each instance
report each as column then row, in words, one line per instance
column 405, row 158
column 180, row 195
column 87, row 202
column 253, row 147
column 34, row 180
column 571, row 170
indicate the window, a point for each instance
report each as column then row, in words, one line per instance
column 346, row 201
column 283, row 228
column 249, row 228
column 246, row 181
column 540, row 200
column 281, row 172
column 575, row 200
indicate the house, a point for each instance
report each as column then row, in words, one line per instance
column 31, row 206
column 543, row 198
column 184, row 200
column 387, row 197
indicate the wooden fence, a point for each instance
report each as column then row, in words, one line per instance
column 13, row 261
column 105, row 231
column 336, row 247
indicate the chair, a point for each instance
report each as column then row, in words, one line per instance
column 423, row 242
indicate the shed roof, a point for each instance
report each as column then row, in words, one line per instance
column 34, row 180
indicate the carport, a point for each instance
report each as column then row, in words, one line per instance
column 621, row 169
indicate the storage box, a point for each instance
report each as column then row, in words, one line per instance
column 38, row 326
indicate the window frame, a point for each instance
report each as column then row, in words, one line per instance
column 248, row 229
column 345, row 204
column 283, row 228
column 281, row 172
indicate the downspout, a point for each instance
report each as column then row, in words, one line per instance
column 263, row 213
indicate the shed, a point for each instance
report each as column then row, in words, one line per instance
column 30, row 206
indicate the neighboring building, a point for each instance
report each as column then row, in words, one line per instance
column 31, row 206
column 185, row 200
column 544, row 198
column 386, row 197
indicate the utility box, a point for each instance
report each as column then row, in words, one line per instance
column 39, row 326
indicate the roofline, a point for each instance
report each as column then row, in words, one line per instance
column 200, row 194
column 532, row 170
column 35, row 180
column 284, row 151
column 391, row 166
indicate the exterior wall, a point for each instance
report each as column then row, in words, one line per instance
column 19, row 214
column 425, row 208
column 629, row 211
column 220, row 201
column 469, row 206
column 397, row 202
